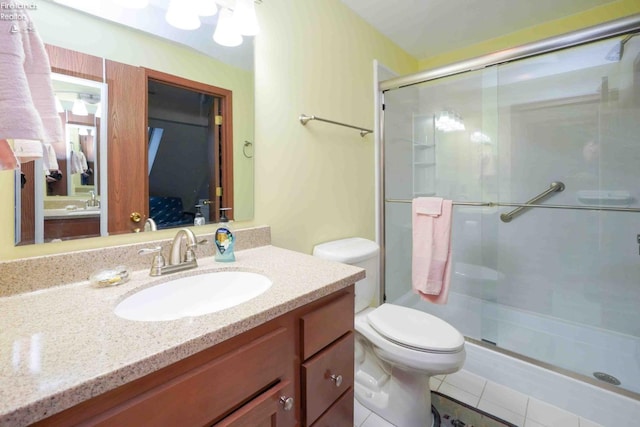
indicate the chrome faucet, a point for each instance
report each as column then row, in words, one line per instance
column 93, row 202
column 150, row 225
column 176, row 257
column 178, row 260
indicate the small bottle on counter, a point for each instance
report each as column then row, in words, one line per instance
column 199, row 218
column 224, row 239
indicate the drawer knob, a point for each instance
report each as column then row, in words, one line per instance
column 337, row 379
column 287, row 402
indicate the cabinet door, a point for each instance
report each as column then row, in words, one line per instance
column 340, row 414
column 326, row 376
column 205, row 394
column 269, row 409
column 127, row 148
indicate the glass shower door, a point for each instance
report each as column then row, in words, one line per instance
column 559, row 284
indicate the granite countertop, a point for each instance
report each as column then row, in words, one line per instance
column 63, row 345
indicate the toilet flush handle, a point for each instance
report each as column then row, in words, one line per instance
column 337, row 379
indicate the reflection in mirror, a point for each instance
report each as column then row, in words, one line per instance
column 82, row 165
column 190, row 155
column 63, row 202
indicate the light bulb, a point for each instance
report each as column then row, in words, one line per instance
column 181, row 17
column 226, row 33
column 245, row 17
column 79, row 109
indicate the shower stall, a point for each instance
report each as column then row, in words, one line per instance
column 556, row 284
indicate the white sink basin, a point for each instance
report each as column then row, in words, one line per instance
column 193, row 296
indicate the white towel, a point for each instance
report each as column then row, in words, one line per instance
column 78, row 162
column 50, row 159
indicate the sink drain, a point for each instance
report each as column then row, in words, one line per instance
column 607, row 378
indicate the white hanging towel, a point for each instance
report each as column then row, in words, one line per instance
column 78, row 162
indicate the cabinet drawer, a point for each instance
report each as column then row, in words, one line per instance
column 266, row 410
column 340, row 414
column 320, row 377
column 323, row 326
column 207, row 393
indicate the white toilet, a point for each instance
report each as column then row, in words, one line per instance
column 397, row 348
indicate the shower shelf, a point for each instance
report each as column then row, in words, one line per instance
column 423, row 153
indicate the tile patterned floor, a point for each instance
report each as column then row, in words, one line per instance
column 498, row 400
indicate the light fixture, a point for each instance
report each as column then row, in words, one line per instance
column 79, row 109
column 132, row 4
column 98, row 112
column 205, row 7
column 245, row 19
column 480, row 138
column 181, row 17
column 59, row 107
column 227, row 33
column 83, row 132
column 449, row 121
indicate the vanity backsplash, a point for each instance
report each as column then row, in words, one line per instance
column 37, row 273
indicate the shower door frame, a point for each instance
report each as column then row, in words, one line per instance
column 629, row 24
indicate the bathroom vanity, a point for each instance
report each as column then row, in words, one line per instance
column 253, row 379
column 284, row 358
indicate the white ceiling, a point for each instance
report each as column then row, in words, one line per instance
column 152, row 20
column 425, row 28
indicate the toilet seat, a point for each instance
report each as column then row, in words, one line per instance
column 419, row 360
column 415, row 329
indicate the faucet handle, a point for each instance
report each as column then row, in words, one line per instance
column 158, row 260
column 145, row 251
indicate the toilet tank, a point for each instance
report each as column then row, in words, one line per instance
column 361, row 253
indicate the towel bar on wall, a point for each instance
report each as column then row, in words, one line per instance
column 304, row 119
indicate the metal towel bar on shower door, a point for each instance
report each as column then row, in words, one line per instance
column 531, row 204
column 555, row 186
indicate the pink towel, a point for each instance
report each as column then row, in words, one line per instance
column 27, row 105
column 7, row 158
column 431, row 263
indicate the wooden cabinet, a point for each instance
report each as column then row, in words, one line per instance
column 294, row 370
column 62, row 228
column 327, row 370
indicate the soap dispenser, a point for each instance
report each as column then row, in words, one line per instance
column 224, row 239
column 199, row 218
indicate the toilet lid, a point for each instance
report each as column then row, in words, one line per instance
column 415, row 329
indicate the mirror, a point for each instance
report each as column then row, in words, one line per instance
column 78, row 190
column 64, row 201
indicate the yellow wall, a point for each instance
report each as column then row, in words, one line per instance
column 591, row 17
column 316, row 182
